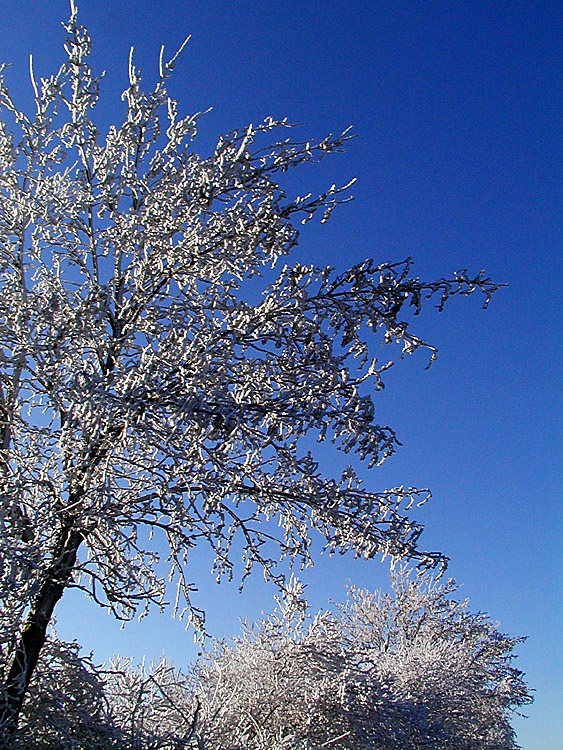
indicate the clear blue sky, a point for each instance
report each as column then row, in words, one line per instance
column 458, row 108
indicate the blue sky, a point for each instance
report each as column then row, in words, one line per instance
column 458, row 110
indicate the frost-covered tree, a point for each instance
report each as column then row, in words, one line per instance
column 145, row 402
column 74, row 704
column 411, row 670
column 151, row 707
column 66, row 706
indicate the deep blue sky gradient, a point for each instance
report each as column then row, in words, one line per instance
column 458, row 110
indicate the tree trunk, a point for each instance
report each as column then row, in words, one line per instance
column 34, row 631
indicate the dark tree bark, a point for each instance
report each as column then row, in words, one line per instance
column 34, row 632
